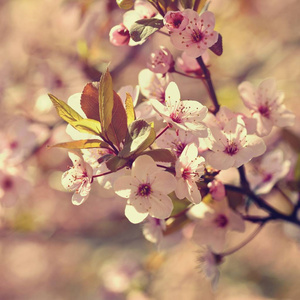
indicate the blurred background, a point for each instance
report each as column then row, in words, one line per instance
column 50, row 249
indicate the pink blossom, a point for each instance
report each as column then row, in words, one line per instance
column 217, row 190
column 263, row 174
column 153, row 86
column 189, row 167
column 176, row 21
column 153, row 230
column 185, row 115
column 198, row 35
column 78, row 178
column 176, row 141
column 146, row 190
column 265, row 103
column 161, row 61
column 232, row 146
column 214, row 222
column 190, row 65
column 208, row 264
column 13, row 185
column 119, row 35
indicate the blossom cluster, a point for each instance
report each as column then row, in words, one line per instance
column 150, row 148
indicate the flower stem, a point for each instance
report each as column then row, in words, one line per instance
column 245, row 242
column 183, row 74
column 163, row 131
column 210, row 86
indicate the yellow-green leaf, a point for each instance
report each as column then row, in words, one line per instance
column 64, row 110
column 88, row 126
column 116, row 163
column 139, row 137
column 161, row 155
column 82, row 144
column 117, row 129
column 106, row 100
column 125, row 4
column 129, row 109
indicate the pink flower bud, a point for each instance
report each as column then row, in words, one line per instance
column 119, row 35
column 176, row 21
column 217, row 190
column 161, row 61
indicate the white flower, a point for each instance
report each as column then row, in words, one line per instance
column 189, row 167
column 78, row 178
column 198, row 35
column 208, row 264
column 232, row 147
column 214, row 223
column 153, row 230
column 147, row 190
column 264, row 174
column 186, row 115
column 176, row 140
column 266, row 106
column 13, row 185
column 161, row 61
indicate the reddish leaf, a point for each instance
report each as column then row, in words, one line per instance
column 90, row 101
column 217, row 48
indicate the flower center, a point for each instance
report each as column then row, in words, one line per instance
column 267, row 177
column 221, row 221
column 231, row 149
column 264, row 111
column 7, row 183
column 144, row 189
column 179, row 148
column 13, row 145
column 196, row 35
column 177, row 19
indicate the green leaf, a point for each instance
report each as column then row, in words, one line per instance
column 143, row 28
column 129, row 109
column 106, row 100
column 88, row 126
column 64, row 110
column 82, row 144
column 125, row 4
column 217, row 48
column 117, row 129
column 90, row 100
column 116, row 163
column 161, row 155
column 139, row 137
column 187, row 3
column 297, row 169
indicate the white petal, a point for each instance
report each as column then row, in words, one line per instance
column 161, row 206
column 163, row 182
column 143, row 167
column 78, row 199
column 125, row 186
column 133, row 215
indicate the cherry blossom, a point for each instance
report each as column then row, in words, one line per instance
column 208, row 264
column 161, row 61
column 16, row 141
column 78, row 178
column 147, row 190
column 13, row 185
column 185, row 115
column 189, row 167
column 232, row 146
column 216, row 189
column 263, row 174
column 265, row 103
column 176, row 141
column 129, row 89
column 176, row 21
column 142, row 10
column 153, row 230
column 214, row 222
column 119, row 35
column 190, row 65
column 198, row 35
